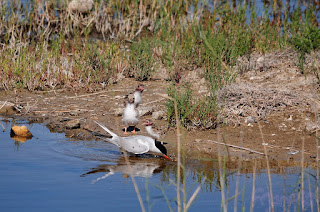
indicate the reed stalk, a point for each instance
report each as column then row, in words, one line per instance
column 317, row 171
column 238, row 175
column 221, row 177
column 253, row 186
column 310, row 191
column 179, row 155
column 302, row 175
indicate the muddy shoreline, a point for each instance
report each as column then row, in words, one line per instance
column 270, row 104
column 72, row 113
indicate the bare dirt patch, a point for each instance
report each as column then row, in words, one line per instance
column 270, row 91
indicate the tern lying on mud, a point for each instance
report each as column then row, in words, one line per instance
column 137, row 144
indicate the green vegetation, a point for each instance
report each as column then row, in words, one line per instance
column 306, row 37
column 48, row 46
column 199, row 112
column 141, row 59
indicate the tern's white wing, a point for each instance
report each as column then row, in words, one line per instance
column 134, row 145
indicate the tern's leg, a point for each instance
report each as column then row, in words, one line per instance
column 125, row 131
column 134, row 130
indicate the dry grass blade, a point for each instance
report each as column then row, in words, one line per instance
column 253, row 185
column 310, row 192
column 0, row 109
column 3, row 104
column 85, row 95
column 317, row 177
column 302, row 176
column 238, row 147
column 165, row 197
column 194, row 195
column 4, row 129
column 238, row 176
column 222, row 178
column 101, row 178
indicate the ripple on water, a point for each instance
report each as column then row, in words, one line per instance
column 88, row 150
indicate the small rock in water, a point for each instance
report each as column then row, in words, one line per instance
column 21, row 133
column 73, row 124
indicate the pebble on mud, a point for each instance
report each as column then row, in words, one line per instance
column 73, row 124
column 157, row 115
column 144, row 111
column 250, row 119
column 20, row 133
column 161, row 74
column 7, row 108
column 118, row 111
column 82, row 6
column 311, row 126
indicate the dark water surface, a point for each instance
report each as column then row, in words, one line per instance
column 52, row 173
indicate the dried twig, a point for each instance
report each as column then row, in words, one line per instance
column 4, row 129
column 194, row 195
column 238, row 147
column 253, row 185
column 84, row 95
column 3, row 104
column 302, row 176
column 159, row 100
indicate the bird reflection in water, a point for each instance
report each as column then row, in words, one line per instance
column 140, row 166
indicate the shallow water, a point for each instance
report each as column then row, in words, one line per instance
column 52, row 173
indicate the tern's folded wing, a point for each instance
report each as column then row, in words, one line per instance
column 134, row 145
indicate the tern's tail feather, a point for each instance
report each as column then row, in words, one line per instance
column 106, row 129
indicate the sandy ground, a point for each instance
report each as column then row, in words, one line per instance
column 270, row 108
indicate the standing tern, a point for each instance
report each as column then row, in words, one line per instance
column 138, row 95
column 130, row 116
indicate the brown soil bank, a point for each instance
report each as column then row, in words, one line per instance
column 271, row 105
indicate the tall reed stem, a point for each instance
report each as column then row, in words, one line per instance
column 222, row 177
column 302, row 175
column 253, row 185
column 179, row 155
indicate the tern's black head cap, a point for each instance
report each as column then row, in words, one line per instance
column 161, row 147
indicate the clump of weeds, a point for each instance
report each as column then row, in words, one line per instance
column 306, row 37
column 192, row 112
column 142, row 59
